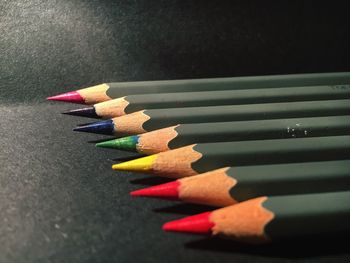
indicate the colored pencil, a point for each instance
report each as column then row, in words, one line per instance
column 108, row 91
column 148, row 120
column 264, row 219
column 230, row 185
column 184, row 134
column 129, row 104
column 199, row 158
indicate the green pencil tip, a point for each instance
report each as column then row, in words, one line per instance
column 126, row 143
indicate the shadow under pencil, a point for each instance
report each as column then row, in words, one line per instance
column 126, row 158
column 102, row 140
column 292, row 249
column 151, row 180
column 184, row 209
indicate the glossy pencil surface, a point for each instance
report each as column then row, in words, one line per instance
column 148, row 120
column 107, row 91
column 266, row 219
column 184, row 134
column 227, row 186
column 133, row 103
column 199, row 158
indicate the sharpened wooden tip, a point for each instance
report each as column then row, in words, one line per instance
column 245, row 222
column 132, row 123
column 179, row 166
column 112, row 108
column 156, row 141
column 211, row 188
column 95, row 94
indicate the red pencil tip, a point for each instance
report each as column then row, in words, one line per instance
column 168, row 190
column 197, row 224
column 72, row 96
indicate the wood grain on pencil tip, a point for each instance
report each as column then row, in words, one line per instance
column 148, row 143
column 211, row 188
column 245, row 222
column 156, row 163
column 89, row 95
column 106, row 110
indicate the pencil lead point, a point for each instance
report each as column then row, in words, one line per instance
column 89, row 112
column 197, row 224
column 126, row 143
column 143, row 164
column 72, row 96
column 100, row 127
column 168, row 190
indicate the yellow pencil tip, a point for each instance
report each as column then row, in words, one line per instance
column 143, row 164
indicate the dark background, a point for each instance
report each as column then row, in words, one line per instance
column 59, row 199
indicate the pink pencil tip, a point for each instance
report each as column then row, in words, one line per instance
column 72, row 96
column 197, row 224
column 168, row 190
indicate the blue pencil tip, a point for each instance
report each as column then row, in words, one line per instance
column 100, row 127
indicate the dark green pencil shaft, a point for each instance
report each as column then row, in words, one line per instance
column 288, row 179
column 262, row 129
column 119, row 89
column 232, row 97
column 305, row 215
column 216, row 155
column 167, row 117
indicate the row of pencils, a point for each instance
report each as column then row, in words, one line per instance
column 272, row 151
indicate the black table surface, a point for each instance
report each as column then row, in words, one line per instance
column 59, row 199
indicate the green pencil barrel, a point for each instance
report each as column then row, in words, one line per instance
column 232, row 97
column 216, row 155
column 288, row 179
column 262, row 129
column 306, row 215
column 119, row 89
column 167, row 117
